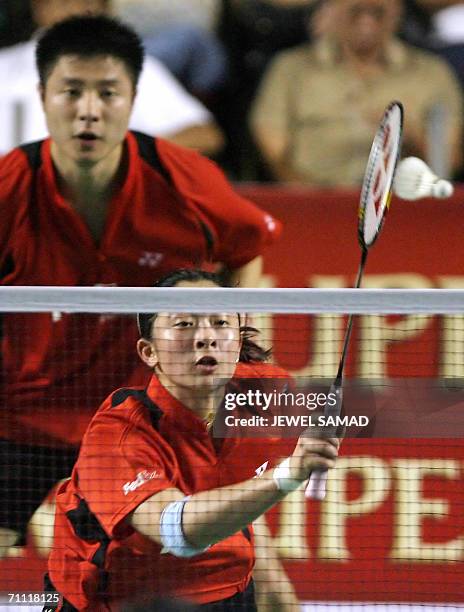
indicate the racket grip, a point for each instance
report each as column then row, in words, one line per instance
column 315, row 489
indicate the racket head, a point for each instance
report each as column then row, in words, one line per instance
column 377, row 186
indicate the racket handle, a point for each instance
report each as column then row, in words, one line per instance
column 315, row 489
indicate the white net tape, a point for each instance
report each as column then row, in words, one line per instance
column 282, row 301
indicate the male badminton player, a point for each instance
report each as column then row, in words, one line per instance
column 94, row 205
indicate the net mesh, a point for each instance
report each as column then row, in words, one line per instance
column 388, row 533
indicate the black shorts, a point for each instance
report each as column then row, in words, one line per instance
column 240, row 602
column 27, row 473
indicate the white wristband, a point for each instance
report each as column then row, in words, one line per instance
column 172, row 534
column 281, row 476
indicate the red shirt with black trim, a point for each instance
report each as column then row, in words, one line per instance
column 56, row 367
column 137, row 445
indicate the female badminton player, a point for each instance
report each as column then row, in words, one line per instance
column 156, row 505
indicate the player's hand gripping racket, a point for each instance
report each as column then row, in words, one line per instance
column 375, row 199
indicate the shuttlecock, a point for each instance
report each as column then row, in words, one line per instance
column 415, row 180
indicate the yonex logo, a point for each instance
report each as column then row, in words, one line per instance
column 150, row 259
column 141, row 478
column 261, row 469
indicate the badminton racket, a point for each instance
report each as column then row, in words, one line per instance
column 374, row 202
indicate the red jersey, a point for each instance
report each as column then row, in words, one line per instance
column 174, row 209
column 139, row 443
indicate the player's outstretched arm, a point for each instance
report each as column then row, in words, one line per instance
column 210, row 516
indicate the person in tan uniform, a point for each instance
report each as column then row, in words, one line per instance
column 319, row 104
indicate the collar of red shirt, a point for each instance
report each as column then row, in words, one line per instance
column 173, row 409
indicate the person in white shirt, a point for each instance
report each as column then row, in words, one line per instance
column 162, row 106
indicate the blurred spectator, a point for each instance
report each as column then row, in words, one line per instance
column 252, row 32
column 180, row 33
column 194, row 56
column 15, row 22
column 319, row 104
column 416, row 25
column 162, row 107
column 148, row 15
column 449, row 24
column 447, row 18
column 432, row 6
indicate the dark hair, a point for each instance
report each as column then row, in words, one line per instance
column 249, row 352
column 89, row 36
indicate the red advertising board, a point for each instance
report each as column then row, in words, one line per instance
column 392, row 525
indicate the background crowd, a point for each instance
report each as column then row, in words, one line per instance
column 256, row 83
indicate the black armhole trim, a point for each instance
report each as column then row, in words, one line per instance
column 247, row 534
column 87, row 527
column 65, row 606
column 140, row 395
column 32, row 151
column 148, row 150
